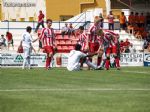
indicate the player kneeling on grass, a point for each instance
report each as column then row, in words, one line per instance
column 74, row 59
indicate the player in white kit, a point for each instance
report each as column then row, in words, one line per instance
column 74, row 59
column 27, row 46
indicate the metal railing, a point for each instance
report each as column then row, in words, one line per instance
column 57, row 25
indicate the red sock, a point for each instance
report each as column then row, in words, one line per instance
column 48, row 61
column 99, row 59
column 107, row 64
column 117, row 62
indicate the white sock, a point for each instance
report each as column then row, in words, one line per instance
column 90, row 64
column 24, row 63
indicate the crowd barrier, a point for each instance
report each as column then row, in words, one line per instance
column 38, row 60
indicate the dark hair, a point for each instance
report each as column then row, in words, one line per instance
column 81, row 28
column 48, row 20
column 78, row 47
column 7, row 32
column 28, row 29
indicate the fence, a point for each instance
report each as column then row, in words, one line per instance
column 57, row 25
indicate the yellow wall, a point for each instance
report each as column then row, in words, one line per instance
column 0, row 10
column 55, row 8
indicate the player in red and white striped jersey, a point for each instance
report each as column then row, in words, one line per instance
column 47, row 38
column 94, row 42
column 83, row 39
column 110, row 45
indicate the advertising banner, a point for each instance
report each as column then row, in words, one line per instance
column 38, row 60
column 131, row 59
column 146, row 59
column 15, row 60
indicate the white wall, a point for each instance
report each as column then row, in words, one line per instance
column 16, row 12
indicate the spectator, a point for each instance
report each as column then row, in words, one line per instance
column 146, row 41
column 64, row 30
column 122, row 46
column 2, row 42
column 127, row 43
column 122, row 20
column 148, row 19
column 40, row 20
column 9, row 39
column 127, row 50
column 131, row 19
column 132, row 49
column 110, row 18
column 71, row 30
column 137, row 19
column 147, row 48
column 148, row 36
column 101, row 20
column 142, row 20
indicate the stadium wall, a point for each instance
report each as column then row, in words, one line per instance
column 56, row 9
column 0, row 10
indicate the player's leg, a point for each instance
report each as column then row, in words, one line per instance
column 114, row 51
column 107, row 63
column 25, row 57
column 37, row 27
column 28, row 58
column 50, row 51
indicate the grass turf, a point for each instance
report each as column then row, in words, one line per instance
column 59, row 90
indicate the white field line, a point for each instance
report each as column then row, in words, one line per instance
column 138, row 72
column 66, row 90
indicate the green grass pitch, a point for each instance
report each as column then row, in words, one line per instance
column 59, row 90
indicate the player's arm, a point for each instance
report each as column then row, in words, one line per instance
column 91, row 54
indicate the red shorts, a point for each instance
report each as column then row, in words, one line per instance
column 48, row 49
column 108, row 51
column 112, row 49
column 93, row 47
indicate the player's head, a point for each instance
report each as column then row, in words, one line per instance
column 100, row 32
column 29, row 29
column 7, row 33
column 49, row 22
column 78, row 47
column 40, row 11
column 81, row 29
column 2, row 36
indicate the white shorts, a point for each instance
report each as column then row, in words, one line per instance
column 27, row 52
column 74, row 68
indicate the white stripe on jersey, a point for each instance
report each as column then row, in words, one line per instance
column 82, row 40
column 47, row 37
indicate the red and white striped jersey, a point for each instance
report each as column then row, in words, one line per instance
column 47, row 37
column 93, row 37
column 82, row 40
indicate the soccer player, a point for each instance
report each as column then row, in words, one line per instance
column 26, row 42
column 110, row 45
column 83, row 39
column 47, row 38
column 74, row 59
column 94, row 42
